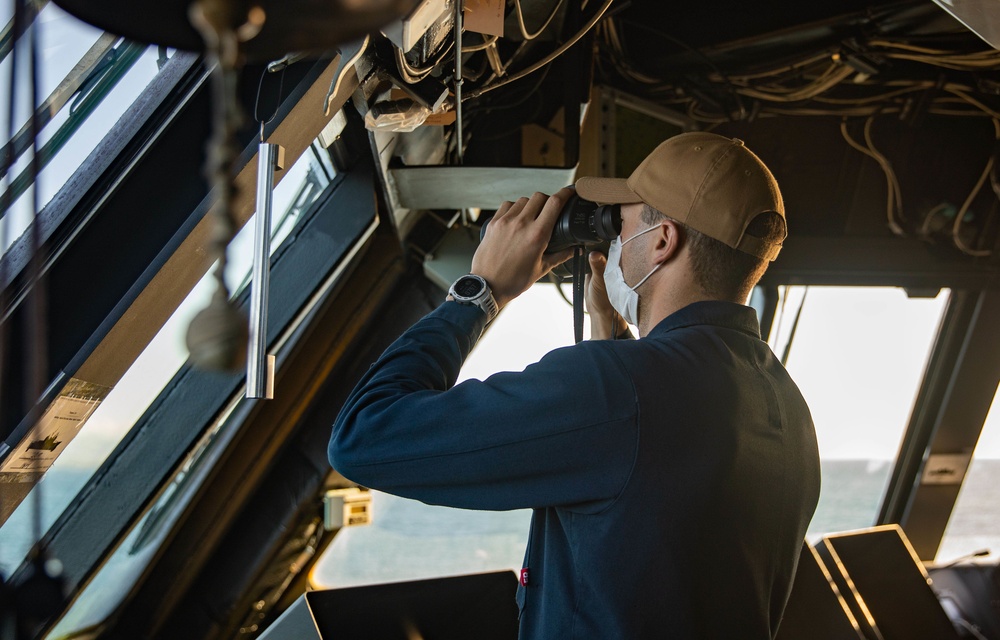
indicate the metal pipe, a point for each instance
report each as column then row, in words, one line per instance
column 459, row 151
column 257, row 369
column 458, row 80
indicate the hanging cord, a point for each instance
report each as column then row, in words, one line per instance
column 277, row 103
column 558, row 285
column 5, row 198
column 893, row 182
column 37, row 360
column 579, row 291
column 580, row 267
column 222, row 153
column 38, row 593
column 957, row 225
column 217, row 336
column 894, row 194
column 5, row 202
column 36, row 357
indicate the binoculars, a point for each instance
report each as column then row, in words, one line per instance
column 582, row 223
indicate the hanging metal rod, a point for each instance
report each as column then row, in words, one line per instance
column 269, row 158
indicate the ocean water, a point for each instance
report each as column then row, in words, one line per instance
column 409, row 540
column 850, row 496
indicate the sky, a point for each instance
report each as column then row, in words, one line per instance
column 858, row 357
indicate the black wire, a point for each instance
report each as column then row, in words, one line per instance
column 525, row 46
column 700, row 54
column 277, row 104
column 616, row 71
column 528, row 94
column 579, row 291
column 503, row 133
column 981, row 236
column 558, row 283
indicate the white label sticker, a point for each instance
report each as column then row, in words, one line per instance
column 58, row 426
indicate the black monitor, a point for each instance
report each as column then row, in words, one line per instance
column 816, row 609
column 890, row 586
column 456, row 608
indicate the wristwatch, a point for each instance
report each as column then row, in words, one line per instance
column 472, row 289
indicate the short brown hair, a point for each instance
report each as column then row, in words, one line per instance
column 722, row 272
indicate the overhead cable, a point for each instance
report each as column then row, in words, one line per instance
column 486, row 44
column 960, row 216
column 541, row 29
column 412, row 74
column 547, row 59
column 894, row 195
column 833, row 76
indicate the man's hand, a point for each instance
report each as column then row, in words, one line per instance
column 605, row 322
column 512, row 255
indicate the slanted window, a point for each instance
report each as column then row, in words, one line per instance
column 116, row 412
column 87, row 80
column 858, row 355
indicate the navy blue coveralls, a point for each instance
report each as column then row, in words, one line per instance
column 672, row 478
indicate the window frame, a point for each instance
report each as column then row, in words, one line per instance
column 118, row 491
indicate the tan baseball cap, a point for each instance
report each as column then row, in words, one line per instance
column 712, row 184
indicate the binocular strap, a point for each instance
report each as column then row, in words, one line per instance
column 579, row 291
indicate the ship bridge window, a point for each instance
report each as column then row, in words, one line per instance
column 114, row 414
column 409, row 540
column 858, row 355
column 975, row 522
column 87, row 80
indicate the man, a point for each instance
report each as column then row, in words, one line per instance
column 672, row 477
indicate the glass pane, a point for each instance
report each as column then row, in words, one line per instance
column 153, row 369
column 858, row 356
column 105, row 592
column 97, row 124
column 409, row 540
column 975, row 522
column 63, row 42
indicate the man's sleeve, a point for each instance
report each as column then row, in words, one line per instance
column 561, row 433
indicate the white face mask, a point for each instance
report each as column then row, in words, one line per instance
column 623, row 297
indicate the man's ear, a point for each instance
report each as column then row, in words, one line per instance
column 668, row 242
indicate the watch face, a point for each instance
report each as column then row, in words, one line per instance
column 468, row 287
